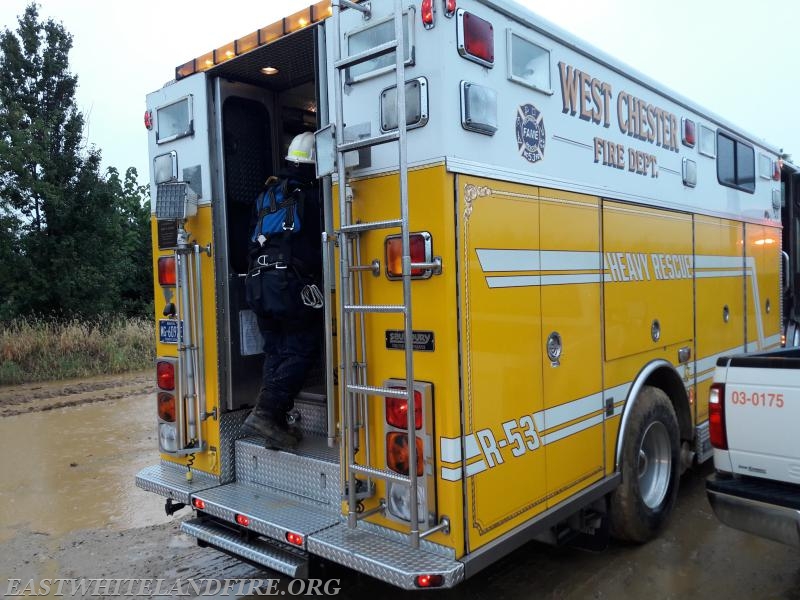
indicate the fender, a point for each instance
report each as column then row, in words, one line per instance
column 642, row 379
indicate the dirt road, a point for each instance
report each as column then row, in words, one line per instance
column 69, row 509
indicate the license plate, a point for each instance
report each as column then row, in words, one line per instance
column 168, row 331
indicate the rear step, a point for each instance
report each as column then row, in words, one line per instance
column 286, row 561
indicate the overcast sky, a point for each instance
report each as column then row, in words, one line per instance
column 738, row 59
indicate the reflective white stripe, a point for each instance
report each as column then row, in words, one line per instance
column 451, row 474
column 773, row 340
column 471, row 446
column 709, row 274
column 450, row 449
column 536, row 280
column 567, row 431
column 570, row 261
column 702, row 261
column 476, row 467
column 508, row 260
column 514, row 281
column 708, row 363
column 576, row 409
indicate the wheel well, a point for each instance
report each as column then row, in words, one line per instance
column 671, row 384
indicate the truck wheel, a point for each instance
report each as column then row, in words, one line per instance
column 650, row 468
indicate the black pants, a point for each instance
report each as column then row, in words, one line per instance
column 289, row 354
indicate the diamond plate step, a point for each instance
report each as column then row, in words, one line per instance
column 257, row 551
column 271, row 513
column 312, row 472
column 169, row 480
column 392, row 561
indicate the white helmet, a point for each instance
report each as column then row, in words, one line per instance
column 301, row 150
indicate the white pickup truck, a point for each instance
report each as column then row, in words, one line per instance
column 754, row 424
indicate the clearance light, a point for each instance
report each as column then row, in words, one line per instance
column 165, row 375
column 148, row 119
column 397, row 453
column 421, row 251
column 313, row 14
column 397, row 411
column 295, row 539
column 426, row 10
column 689, row 135
column 475, row 38
column 449, row 8
column 166, row 270
column 776, row 170
column 426, row 581
column 716, row 416
column 764, row 242
column 166, row 407
column 199, row 504
column 243, row 521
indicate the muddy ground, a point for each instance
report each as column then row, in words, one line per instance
column 69, row 509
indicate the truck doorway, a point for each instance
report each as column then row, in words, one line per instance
column 261, row 101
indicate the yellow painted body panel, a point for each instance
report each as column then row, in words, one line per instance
column 200, row 228
column 433, row 309
column 722, row 287
column 570, row 223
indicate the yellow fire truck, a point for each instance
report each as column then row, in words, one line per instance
column 527, row 282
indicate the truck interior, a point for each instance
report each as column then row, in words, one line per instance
column 267, row 96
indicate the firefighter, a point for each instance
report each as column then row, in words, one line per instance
column 283, row 289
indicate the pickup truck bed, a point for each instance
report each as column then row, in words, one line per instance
column 755, row 422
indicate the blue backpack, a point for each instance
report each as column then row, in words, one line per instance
column 277, row 209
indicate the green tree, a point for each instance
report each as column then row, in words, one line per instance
column 73, row 239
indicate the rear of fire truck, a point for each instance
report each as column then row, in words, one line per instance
column 216, row 133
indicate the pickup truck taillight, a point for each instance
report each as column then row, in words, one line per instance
column 716, row 416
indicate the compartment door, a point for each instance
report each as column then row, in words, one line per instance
column 504, row 461
column 571, row 424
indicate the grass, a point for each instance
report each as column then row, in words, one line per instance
column 42, row 350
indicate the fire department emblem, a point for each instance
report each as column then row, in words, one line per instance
column 530, row 133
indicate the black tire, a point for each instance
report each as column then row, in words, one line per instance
column 643, row 502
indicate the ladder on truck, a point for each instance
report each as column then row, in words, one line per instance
column 354, row 388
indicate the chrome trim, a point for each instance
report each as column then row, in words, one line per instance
column 262, row 553
column 770, row 521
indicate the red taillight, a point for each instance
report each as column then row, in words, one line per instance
column 478, row 38
column 397, row 411
column 449, row 8
column 689, row 133
column 419, row 245
column 425, row 581
column 716, row 416
column 426, row 10
column 166, row 270
column 165, row 375
column 148, row 119
column 199, row 504
column 243, row 521
column 294, row 538
column 166, row 407
column 398, row 455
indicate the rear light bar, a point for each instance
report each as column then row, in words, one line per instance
column 423, row 263
column 398, row 456
column 166, row 406
column 475, row 38
column 296, row 539
column 716, row 416
column 165, row 374
column 426, row 11
column 166, row 270
column 397, row 411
